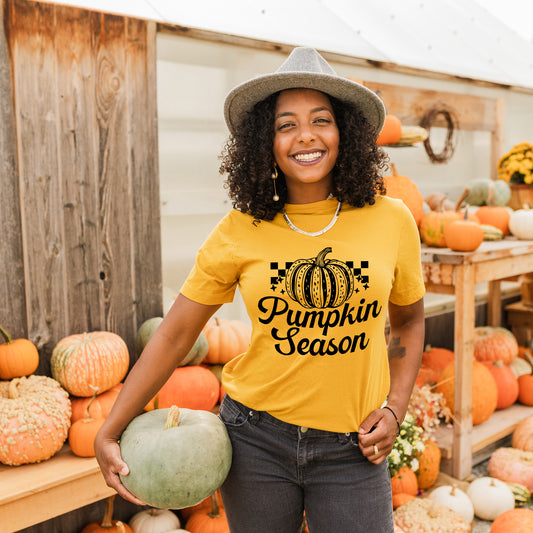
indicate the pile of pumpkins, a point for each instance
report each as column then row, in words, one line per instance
column 480, row 214
column 501, row 497
column 209, row 515
column 502, row 372
column 87, row 372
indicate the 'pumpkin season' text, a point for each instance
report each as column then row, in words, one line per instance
column 273, row 306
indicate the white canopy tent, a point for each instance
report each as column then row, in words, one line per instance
column 458, row 38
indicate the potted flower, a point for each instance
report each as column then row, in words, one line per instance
column 516, row 168
column 408, row 446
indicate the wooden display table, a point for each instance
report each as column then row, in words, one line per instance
column 33, row 493
column 457, row 273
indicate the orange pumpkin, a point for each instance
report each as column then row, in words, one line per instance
column 190, row 387
column 426, row 376
column 429, row 465
column 405, row 189
column 107, row 525
column 525, row 386
column 391, row 132
column 496, row 216
column 404, row 481
column 437, row 358
column 513, row 521
column 212, row 520
column 226, row 339
column 205, row 504
column 400, row 499
column 494, row 344
column 432, row 226
column 522, row 438
column 82, row 433
column 100, row 407
column 484, row 391
column 87, row 360
column 506, row 383
column 18, row 357
column 34, row 417
column 463, row 235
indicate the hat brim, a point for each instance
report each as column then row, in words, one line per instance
column 243, row 97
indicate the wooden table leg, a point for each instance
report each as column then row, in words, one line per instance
column 494, row 304
column 464, row 355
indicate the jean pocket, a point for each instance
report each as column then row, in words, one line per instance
column 232, row 413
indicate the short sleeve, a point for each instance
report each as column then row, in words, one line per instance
column 408, row 286
column 214, row 276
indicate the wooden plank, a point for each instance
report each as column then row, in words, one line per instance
column 12, row 286
column 143, row 146
column 501, row 424
column 464, row 356
column 489, row 250
column 79, row 175
column 499, row 268
column 32, row 493
column 34, row 64
column 410, row 104
column 114, row 183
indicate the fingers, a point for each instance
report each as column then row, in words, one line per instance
column 112, row 467
column 376, row 436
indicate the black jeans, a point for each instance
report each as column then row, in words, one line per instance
column 280, row 469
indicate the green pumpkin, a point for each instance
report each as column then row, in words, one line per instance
column 478, row 192
column 195, row 356
column 177, row 457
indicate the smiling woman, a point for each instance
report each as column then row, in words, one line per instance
column 318, row 253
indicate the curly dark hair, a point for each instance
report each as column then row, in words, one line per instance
column 248, row 160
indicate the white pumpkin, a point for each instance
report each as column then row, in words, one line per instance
column 154, row 521
column 455, row 499
column 520, row 366
column 490, row 497
column 521, row 224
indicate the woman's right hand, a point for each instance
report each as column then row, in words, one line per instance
column 112, row 467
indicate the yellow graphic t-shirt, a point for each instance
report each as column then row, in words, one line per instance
column 318, row 306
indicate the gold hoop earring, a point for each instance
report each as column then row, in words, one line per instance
column 274, row 178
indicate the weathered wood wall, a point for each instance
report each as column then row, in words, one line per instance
column 80, row 191
column 79, row 188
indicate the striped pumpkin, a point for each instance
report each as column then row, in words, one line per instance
column 495, row 344
column 84, row 361
column 319, row 282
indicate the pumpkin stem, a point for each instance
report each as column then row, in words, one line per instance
column 215, row 509
column 320, row 258
column 393, row 168
column 6, row 335
column 13, row 392
column 452, row 492
column 107, row 522
column 461, row 199
column 87, row 414
column 172, row 417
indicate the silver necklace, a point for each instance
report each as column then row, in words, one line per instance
column 313, row 233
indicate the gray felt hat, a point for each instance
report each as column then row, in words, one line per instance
column 305, row 68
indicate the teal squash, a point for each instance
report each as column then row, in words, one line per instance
column 195, row 356
column 478, row 191
column 177, row 457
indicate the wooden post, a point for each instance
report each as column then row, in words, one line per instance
column 12, row 286
column 84, row 201
column 464, row 359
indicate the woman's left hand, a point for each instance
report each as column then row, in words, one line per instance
column 377, row 435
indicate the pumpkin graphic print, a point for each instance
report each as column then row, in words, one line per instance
column 319, row 282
